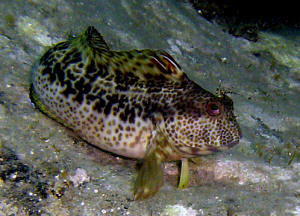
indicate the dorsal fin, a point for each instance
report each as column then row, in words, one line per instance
column 90, row 41
column 167, row 65
column 94, row 38
column 154, row 65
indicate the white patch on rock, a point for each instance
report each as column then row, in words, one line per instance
column 295, row 211
column 79, row 178
column 179, row 210
column 184, row 45
column 174, row 47
column 33, row 29
column 249, row 172
column 243, row 172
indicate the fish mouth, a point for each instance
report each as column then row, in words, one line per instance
column 233, row 143
column 222, row 147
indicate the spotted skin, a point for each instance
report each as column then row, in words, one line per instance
column 136, row 103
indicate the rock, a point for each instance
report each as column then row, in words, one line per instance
column 260, row 176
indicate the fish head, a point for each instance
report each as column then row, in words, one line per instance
column 202, row 124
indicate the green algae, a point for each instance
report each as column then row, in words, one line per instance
column 289, row 152
column 10, row 20
column 283, row 49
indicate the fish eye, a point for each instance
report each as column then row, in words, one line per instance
column 214, row 108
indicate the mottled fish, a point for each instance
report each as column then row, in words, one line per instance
column 137, row 103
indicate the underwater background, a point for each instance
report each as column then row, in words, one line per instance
column 47, row 170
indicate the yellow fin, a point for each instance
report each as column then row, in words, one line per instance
column 92, row 45
column 184, row 174
column 91, row 38
column 150, row 177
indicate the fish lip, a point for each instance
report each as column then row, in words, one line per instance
column 213, row 149
column 231, row 144
column 222, row 147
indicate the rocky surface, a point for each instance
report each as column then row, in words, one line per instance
column 47, row 170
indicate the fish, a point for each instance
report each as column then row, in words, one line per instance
column 139, row 104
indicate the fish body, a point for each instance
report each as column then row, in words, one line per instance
column 137, row 103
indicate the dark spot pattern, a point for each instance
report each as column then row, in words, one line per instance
column 111, row 100
column 91, row 68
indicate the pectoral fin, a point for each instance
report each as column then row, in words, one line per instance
column 150, row 177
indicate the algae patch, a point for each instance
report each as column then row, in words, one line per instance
column 283, row 49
